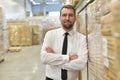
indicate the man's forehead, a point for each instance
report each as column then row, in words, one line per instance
column 67, row 10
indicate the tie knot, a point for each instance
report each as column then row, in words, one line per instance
column 66, row 33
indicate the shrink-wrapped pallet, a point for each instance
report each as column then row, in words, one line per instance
column 78, row 22
column 113, row 45
column 106, row 19
column 35, row 35
column 96, row 65
column 116, row 28
column 96, row 59
column 3, row 32
column 14, row 35
column 1, row 42
column 19, row 33
column 113, row 50
column 52, row 23
column 106, row 29
column 26, row 35
column 115, row 12
column 106, row 25
column 115, row 8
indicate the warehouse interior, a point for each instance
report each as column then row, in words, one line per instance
column 24, row 23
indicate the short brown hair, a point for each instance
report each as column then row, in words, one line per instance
column 68, row 7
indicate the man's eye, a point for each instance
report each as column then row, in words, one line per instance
column 71, row 15
column 64, row 15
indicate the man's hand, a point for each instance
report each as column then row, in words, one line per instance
column 49, row 50
column 73, row 56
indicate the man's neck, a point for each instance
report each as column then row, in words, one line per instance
column 67, row 30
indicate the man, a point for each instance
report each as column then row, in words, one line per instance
column 75, row 58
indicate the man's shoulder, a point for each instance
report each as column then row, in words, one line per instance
column 80, row 35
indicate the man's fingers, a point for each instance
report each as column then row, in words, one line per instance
column 49, row 50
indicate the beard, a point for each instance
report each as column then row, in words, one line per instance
column 67, row 26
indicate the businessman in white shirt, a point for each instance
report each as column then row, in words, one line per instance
column 74, row 59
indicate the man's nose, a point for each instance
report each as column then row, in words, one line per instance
column 67, row 17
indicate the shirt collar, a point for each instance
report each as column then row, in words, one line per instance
column 70, row 32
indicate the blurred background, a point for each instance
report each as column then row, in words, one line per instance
column 24, row 23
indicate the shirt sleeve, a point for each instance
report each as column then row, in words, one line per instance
column 51, row 58
column 80, row 63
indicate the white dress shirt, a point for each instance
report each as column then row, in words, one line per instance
column 56, row 61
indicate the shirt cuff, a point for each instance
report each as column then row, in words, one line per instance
column 65, row 58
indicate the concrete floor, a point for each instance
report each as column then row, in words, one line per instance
column 23, row 65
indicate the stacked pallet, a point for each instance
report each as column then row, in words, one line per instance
column 35, row 35
column 19, row 33
column 111, row 35
column 3, row 34
column 96, row 59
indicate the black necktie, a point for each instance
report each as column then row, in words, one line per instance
column 64, row 52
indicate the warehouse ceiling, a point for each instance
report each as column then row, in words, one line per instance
column 38, row 7
column 38, row 2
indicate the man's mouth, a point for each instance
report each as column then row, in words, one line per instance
column 68, row 22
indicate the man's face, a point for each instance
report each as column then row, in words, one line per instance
column 67, row 18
